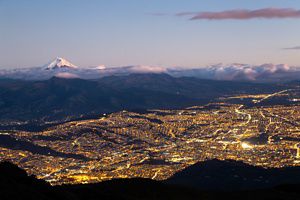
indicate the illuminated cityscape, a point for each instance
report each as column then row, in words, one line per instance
column 140, row 100
column 158, row 143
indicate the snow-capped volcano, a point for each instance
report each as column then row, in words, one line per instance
column 60, row 63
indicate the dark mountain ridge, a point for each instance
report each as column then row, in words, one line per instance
column 15, row 184
column 233, row 175
column 65, row 99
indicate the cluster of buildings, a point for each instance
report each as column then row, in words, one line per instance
column 159, row 143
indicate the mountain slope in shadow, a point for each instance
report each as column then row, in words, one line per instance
column 234, row 175
column 59, row 99
column 16, row 184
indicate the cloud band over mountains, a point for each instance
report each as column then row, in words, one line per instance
column 244, row 14
column 243, row 72
column 229, row 72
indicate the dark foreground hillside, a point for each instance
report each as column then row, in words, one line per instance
column 15, row 184
column 234, row 175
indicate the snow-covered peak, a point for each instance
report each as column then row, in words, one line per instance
column 60, row 63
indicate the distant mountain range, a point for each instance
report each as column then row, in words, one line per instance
column 62, row 68
column 225, row 180
column 62, row 99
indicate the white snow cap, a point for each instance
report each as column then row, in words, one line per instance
column 60, row 63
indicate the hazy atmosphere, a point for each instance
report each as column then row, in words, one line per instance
column 161, row 33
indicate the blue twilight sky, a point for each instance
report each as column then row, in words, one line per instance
column 129, row 32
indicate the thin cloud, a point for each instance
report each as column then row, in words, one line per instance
column 147, row 69
column 66, row 75
column 244, row 14
column 158, row 14
column 292, row 48
column 186, row 14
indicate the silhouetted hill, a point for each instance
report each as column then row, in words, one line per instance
column 15, row 184
column 233, row 175
column 62, row 99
